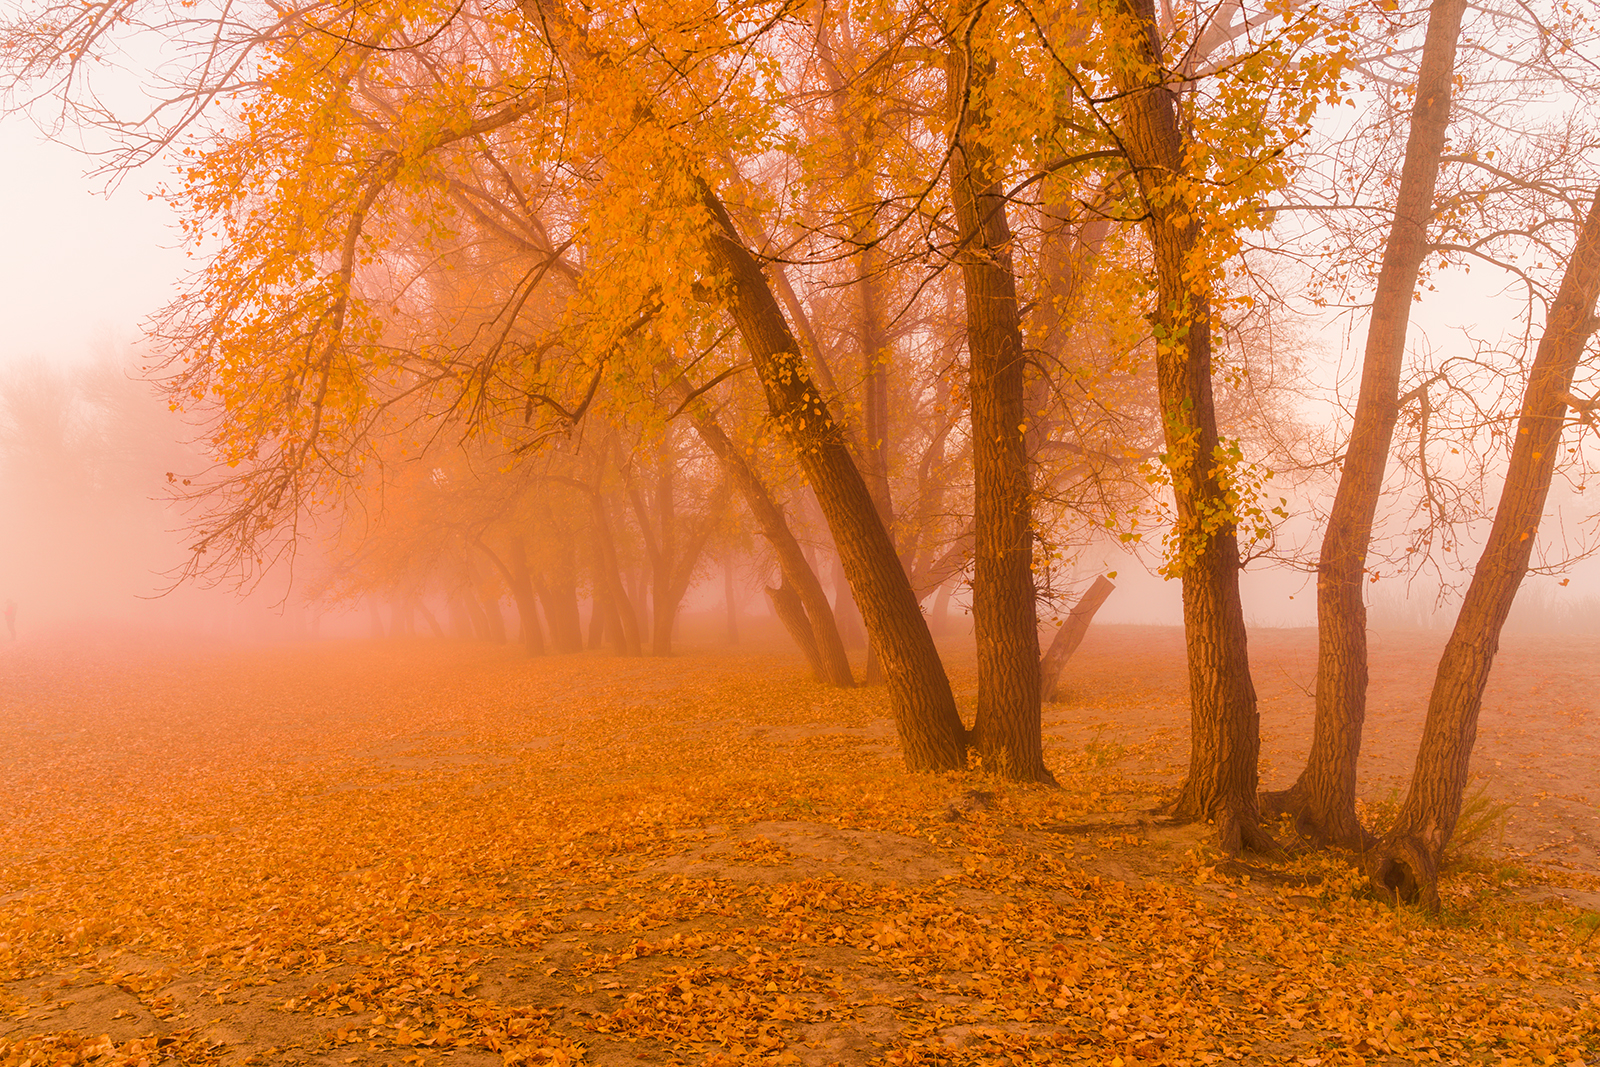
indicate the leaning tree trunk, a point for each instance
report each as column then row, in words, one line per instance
column 1008, row 732
column 821, row 631
column 1323, row 800
column 1408, row 857
column 514, row 572
column 1225, row 739
column 1070, row 636
column 931, row 734
column 791, row 613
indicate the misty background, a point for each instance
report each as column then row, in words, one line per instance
column 91, row 541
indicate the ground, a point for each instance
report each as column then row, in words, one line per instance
column 440, row 853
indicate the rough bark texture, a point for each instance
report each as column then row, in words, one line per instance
column 833, row 666
column 1007, row 732
column 1322, row 800
column 1225, row 728
column 931, row 734
column 1408, row 858
column 1070, row 636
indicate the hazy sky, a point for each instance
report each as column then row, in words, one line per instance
column 77, row 267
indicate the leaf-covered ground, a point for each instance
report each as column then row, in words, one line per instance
column 434, row 853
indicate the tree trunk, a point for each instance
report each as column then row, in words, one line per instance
column 428, row 616
column 621, row 621
column 1070, row 636
column 559, row 595
column 519, row 580
column 845, row 612
column 787, row 607
column 931, row 734
column 1409, row 856
column 796, row 569
column 557, row 588
column 1322, row 800
column 1225, row 740
column 1008, row 732
column 731, row 603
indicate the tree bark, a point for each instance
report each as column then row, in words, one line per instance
column 1409, row 856
column 1322, row 800
column 1225, row 727
column 930, row 729
column 797, row 571
column 1070, row 636
column 787, row 607
column 1008, row 732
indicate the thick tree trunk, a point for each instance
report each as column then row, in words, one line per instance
column 1225, row 728
column 1008, row 731
column 1409, row 856
column 1070, row 636
column 796, row 569
column 931, row 734
column 1323, row 800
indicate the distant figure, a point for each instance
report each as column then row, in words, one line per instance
column 11, row 618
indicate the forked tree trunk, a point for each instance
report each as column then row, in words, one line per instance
column 1225, row 739
column 931, row 734
column 1408, row 858
column 820, row 628
column 1322, row 800
column 1008, row 732
column 1070, row 636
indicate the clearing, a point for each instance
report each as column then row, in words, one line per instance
column 439, row 853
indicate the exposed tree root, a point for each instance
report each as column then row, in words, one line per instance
column 1239, row 828
column 1323, row 829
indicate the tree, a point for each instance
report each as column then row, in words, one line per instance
column 1007, row 731
column 1408, row 861
column 1322, row 799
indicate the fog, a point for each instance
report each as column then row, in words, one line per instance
column 92, row 543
